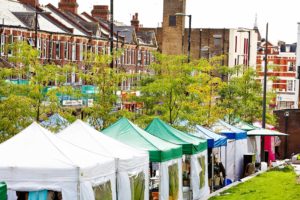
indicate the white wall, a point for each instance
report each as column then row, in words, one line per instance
column 239, row 55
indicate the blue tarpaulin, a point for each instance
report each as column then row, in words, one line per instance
column 228, row 130
column 55, row 120
column 213, row 139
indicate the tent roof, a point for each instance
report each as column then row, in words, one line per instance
column 213, row 139
column 265, row 132
column 190, row 143
column 83, row 135
column 128, row 133
column 228, row 130
column 244, row 126
column 36, row 154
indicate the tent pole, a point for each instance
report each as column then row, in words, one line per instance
column 78, row 184
column 117, row 182
column 212, row 172
column 225, row 162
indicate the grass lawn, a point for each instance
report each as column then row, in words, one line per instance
column 273, row 185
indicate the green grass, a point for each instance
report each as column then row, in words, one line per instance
column 272, row 185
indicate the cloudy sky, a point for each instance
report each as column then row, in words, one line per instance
column 281, row 15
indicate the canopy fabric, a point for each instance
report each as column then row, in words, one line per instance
column 129, row 161
column 55, row 120
column 265, row 132
column 244, row 126
column 190, row 144
column 228, row 130
column 35, row 159
column 130, row 134
column 213, row 140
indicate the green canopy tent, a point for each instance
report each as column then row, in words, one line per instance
column 3, row 191
column 168, row 155
column 193, row 146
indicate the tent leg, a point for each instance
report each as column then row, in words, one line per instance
column 212, row 172
column 225, row 162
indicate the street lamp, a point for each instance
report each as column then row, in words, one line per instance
column 111, row 37
column 123, row 31
column 189, row 36
column 264, row 95
column 36, row 24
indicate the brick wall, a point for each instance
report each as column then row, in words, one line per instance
column 291, row 126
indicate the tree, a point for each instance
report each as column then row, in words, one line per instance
column 178, row 91
column 106, row 81
column 242, row 97
column 27, row 91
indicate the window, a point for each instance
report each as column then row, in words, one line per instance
column 39, row 47
column 50, row 49
column 235, row 44
column 291, row 66
column 57, row 50
column 81, row 52
column 10, row 42
column 217, row 40
column 290, row 85
column 66, row 51
column 73, row 51
column 44, row 49
column 172, row 20
column 2, row 44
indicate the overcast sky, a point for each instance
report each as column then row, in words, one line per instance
column 281, row 15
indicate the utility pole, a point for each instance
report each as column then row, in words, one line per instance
column 112, row 32
column 264, row 96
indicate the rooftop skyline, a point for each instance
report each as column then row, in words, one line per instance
column 282, row 18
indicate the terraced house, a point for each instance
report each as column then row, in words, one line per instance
column 62, row 35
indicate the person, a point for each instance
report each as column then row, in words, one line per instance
column 277, row 143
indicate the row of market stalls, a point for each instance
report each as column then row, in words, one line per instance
column 121, row 162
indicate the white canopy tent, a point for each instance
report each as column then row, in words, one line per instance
column 35, row 160
column 130, row 161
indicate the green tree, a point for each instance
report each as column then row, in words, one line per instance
column 178, row 91
column 106, row 81
column 242, row 97
column 26, row 89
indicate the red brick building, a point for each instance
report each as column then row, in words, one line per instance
column 281, row 73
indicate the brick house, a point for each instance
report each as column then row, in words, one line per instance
column 64, row 35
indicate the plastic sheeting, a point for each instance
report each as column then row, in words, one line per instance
column 199, row 175
column 235, row 158
column 254, row 146
column 166, row 188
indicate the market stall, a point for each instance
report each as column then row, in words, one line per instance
column 217, row 146
column 195, row 150
column 165, row 158
column 36, row 161
column 132, row 164
column 236, row 148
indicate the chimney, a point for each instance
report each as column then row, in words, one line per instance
column 68, row 5
column 101, row 11
column 32, row 3
column 135, row 22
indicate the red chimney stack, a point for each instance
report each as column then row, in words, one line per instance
column 135, row 22
column 68, row 5
column 33, row 3
column 101, row 11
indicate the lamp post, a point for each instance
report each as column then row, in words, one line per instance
column 111, row 37
column 264, row 95
column 117, row 46
column 189, row 34
column 36, row 24
column 286, row 118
